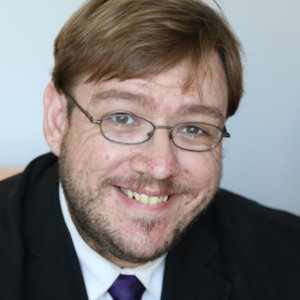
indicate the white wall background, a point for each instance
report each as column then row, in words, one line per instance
column 262, row 159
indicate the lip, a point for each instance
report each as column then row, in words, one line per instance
column 145, row 207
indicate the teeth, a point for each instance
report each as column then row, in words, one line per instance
column 136, row 196
column 154, row 200
column 144, row 198
column 129, row 193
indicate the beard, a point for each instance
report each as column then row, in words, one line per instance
column 87, row 207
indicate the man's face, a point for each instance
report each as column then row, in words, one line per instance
column 99, row 177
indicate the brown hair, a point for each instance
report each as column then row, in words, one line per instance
column 134, row 38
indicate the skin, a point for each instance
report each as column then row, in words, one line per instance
column 92, row 168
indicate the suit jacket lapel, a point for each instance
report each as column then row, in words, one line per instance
column 53, row 270
column 194, row 269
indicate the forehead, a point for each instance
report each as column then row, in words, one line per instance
column 165, row 92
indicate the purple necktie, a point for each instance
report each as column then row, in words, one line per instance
column 127, row 287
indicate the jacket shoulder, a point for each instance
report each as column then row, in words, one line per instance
column 19, row 183
column 233, row 208
column 7, row 188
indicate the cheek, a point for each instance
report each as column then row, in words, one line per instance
column 94, row 156
column 108, row 159
column 201, row 168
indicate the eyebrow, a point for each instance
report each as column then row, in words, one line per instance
column 146, row 101
column 195, row 109
column 106, row 97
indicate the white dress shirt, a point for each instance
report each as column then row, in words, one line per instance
column 99, row 273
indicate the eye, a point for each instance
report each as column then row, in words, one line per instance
column 192, row 130
column 123, row 119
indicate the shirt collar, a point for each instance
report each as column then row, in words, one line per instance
column 99, row 273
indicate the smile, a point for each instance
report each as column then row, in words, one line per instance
column 142, row 198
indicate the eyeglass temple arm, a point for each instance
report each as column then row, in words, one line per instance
column 86, row 113
column 225, row 133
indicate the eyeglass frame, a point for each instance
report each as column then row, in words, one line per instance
column 224, row 132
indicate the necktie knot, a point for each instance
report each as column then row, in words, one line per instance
column 126, row 287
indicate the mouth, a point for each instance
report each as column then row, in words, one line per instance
column 143, row 198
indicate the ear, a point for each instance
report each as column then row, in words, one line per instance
column 55, row 118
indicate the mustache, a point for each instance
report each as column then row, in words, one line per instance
column 140, row 181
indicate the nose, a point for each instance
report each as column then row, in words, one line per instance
column 157, row 157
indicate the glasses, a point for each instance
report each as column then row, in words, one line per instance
column 128, row 129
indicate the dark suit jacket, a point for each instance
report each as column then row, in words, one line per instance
column 236, row 249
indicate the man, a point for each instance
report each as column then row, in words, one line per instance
column 135, row 116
